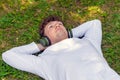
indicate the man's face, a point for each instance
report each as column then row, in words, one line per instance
column 55, row 31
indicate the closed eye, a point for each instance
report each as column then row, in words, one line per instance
column 50, row 26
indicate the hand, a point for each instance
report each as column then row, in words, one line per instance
column 41, row 47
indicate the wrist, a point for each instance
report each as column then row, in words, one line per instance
column 41, row 47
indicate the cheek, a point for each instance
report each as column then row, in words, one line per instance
column 64, row 29
column 51, row 34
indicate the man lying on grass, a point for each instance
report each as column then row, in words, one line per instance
column 67, row 55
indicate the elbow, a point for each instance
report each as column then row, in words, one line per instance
column 97, row 21
column 5, row 56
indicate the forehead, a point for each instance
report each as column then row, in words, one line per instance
column 53, row 22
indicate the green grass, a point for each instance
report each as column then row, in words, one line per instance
column 20, row 19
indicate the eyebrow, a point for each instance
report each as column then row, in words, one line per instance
column 48, row 23
column 51, row 23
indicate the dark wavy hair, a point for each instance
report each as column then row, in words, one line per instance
column 45, row 22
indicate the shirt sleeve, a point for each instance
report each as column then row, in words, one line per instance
column 21, row 58
column 92, row 31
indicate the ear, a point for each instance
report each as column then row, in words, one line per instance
column 45, row 41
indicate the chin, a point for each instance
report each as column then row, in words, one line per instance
column 63, row 38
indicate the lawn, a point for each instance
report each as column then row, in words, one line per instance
column 20, row 20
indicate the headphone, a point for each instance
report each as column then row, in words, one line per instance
column 45, row 41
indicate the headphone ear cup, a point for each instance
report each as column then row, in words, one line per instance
column 70, row 34
column 45, row 41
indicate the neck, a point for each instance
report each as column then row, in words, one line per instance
column 56, row 41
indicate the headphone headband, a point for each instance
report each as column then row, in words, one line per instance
column 70, row 35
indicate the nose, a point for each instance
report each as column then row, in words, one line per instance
column 57, row 25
